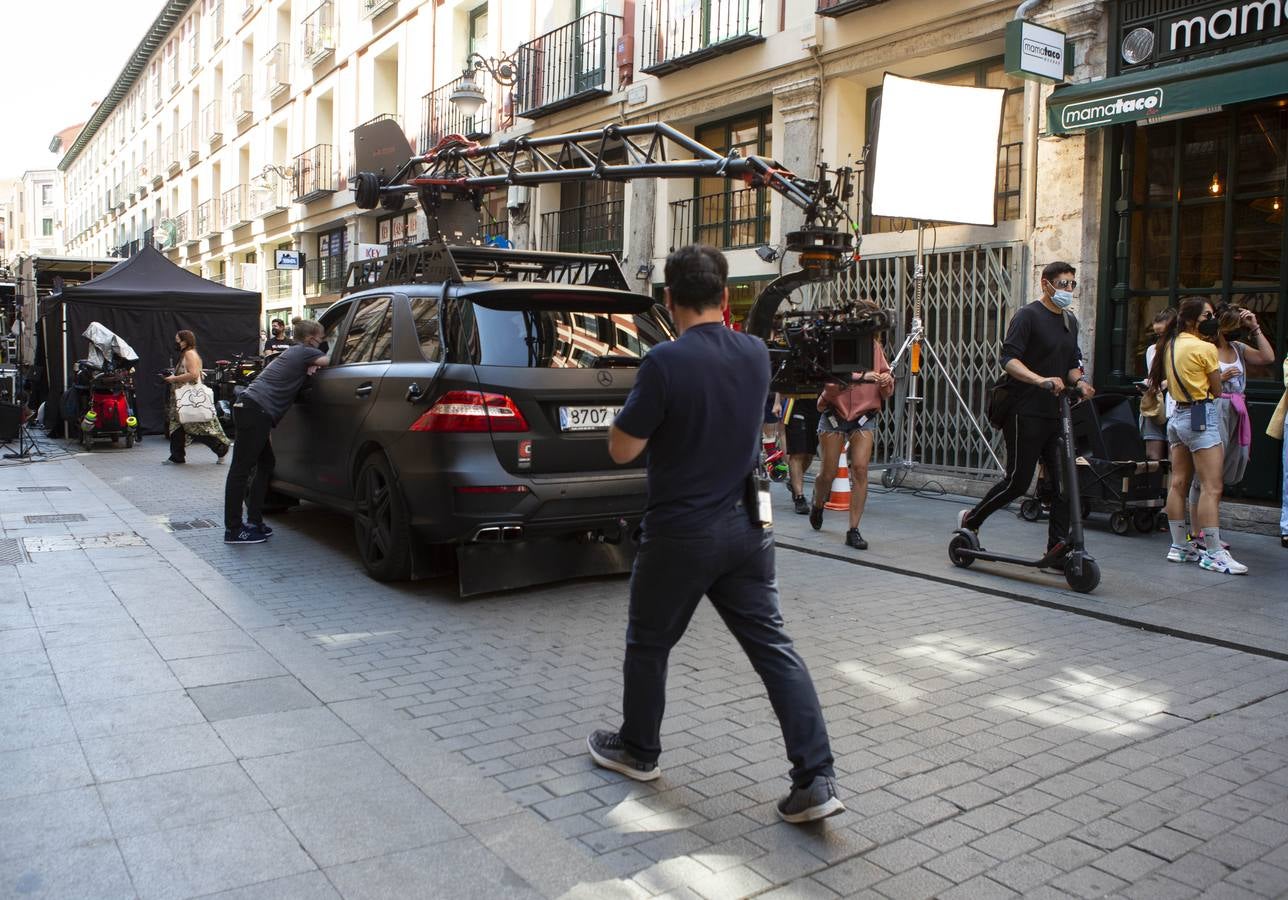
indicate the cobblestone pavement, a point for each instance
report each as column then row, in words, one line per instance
column 985, row 747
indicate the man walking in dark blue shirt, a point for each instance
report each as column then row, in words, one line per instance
column 697, row 409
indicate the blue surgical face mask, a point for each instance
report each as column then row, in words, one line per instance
column 1062, row 299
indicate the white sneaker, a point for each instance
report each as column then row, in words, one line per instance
column 961, row 520
column 1183, row 554
column 1221, row 561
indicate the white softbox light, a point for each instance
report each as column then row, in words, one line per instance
column 936, row 152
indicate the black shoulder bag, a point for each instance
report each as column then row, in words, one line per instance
column 1198, row 408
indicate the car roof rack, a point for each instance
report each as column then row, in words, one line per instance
column 433, row 262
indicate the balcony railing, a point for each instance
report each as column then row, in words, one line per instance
column 729, row 220
column 194, row 46
column 315, row 175
column 216, row 19
column 236, row 206
column 154, row 88
column 216, row 277
column 375, row 7
column 242, row 98
column 441, row 117
column 208, row 219
column 677, row 34
column 181, row 232
column 186, row 148
column 567, row 66
column 319, row 33
column 277, row 70
column 277, row 284
column 172, row 71
column 592, row 228
column 245, row 276
column 268, row 195
column 170, row 153
column 324, row 275
column 841, row 7
column 212, row 123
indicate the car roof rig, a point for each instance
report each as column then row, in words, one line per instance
column 450, row 181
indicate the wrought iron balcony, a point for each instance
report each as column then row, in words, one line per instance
column 154, row 88
column 208, row 219
column 242, row 98
column 171, row 153
column 375, row 7
column 319, row 33
column 194, row 46
column 277, row 283
column 729, row 220
column 441, row 117
column 245, row 276
column 186, row 145
column 172, row 70
column 183, row 233
column 269, row 194
column 324, row 275
column 677, row 34
column 315, row 174
column 236, row 206
column 216, row 19
column 567, row 66
column 592, row 228
column 277, row 70
column 212, row 123
column 841, row 7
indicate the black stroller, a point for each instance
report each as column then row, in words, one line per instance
column 1114, row 475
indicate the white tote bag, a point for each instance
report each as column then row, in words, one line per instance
column 195, row 403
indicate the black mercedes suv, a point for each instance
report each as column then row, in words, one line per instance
column 462, row 419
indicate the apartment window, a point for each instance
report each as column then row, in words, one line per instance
column 46, row 194
column 476, row 39
column 47, row 227
column 724, row 213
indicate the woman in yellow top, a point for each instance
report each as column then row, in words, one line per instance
column 1190, row 367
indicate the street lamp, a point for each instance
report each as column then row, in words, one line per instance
column 467, row 96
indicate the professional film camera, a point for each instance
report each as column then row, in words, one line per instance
column 813, row 346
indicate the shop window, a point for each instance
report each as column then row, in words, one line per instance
column 742, row 294
column 1205, row 203
column 1010, row 154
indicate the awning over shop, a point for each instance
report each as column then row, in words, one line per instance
column 1235, row 77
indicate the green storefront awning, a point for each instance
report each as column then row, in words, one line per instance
column 1234, row 77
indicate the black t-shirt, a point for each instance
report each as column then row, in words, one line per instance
column 700, row 402
column 1047, row 343
column 276, row 345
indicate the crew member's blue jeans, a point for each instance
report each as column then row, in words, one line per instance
column 731, row 562
column 1283, row 511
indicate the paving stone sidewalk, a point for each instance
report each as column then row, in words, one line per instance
column 985, row 747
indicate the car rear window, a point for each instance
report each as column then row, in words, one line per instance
column 565, row 338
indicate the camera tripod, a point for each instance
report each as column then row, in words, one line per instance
column 26, row 445
column 913, row 346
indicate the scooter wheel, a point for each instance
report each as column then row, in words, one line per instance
column 1031, row 509
column 1143, row 519
column 887, row 478
column 1119, row 522
column 1085, row 582
column 959, row 543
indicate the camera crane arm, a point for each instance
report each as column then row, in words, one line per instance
column 456, row 167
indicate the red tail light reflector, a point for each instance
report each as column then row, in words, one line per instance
column 474, row 411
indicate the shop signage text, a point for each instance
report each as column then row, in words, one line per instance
column 288, row 259
column 1036, row 53
column 1126, row 107
column 1213, row 25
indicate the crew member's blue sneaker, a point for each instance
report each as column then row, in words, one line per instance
column 244, row 535
column 265, row 530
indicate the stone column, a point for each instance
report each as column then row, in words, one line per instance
column 796, row 107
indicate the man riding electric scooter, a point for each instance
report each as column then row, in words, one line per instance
column 1042, row 360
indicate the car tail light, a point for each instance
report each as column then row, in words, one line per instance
column 471, row 411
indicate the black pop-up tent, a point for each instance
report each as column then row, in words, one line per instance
column 146, row 299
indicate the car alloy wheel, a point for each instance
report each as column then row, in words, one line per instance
column 380, row 522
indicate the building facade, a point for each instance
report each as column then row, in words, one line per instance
column 33, row 210
column 229, row 137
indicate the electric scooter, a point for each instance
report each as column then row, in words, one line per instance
column 1080, row 570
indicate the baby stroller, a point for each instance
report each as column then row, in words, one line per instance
column 104, row 385
column 1114, row 474
column 229, row 380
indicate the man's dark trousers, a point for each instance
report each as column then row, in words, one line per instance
column 251, row 450
column 731, row 562
column 1029, row 439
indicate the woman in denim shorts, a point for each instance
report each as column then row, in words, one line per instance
column 1189, row 366
column 848, row 413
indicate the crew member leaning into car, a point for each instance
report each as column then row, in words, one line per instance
column 697, row 408
column 260, row 408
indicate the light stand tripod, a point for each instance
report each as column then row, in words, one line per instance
column 26, row 445
column 913, row 345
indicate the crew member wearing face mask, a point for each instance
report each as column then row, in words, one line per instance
column 1041, row 355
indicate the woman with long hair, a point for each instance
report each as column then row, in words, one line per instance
column 211, row 434
column 1155, row 434
column 1188, row 363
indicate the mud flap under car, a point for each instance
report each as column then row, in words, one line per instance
column 487, row 567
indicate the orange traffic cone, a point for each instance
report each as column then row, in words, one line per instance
column 840, row 498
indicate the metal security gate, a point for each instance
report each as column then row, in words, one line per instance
column 968, row 300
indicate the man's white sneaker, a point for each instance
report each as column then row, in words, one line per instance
column 961, row 520
column 1185, row 554
column 1221, row 561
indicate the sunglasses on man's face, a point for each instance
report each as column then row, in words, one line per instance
column 1066, row 284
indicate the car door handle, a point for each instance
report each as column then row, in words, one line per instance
column 363, row 390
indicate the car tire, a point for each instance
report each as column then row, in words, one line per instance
column 381, row 526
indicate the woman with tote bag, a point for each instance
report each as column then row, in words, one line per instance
column 190, row 410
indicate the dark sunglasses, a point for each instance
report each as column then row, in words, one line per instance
column 1067, row 284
